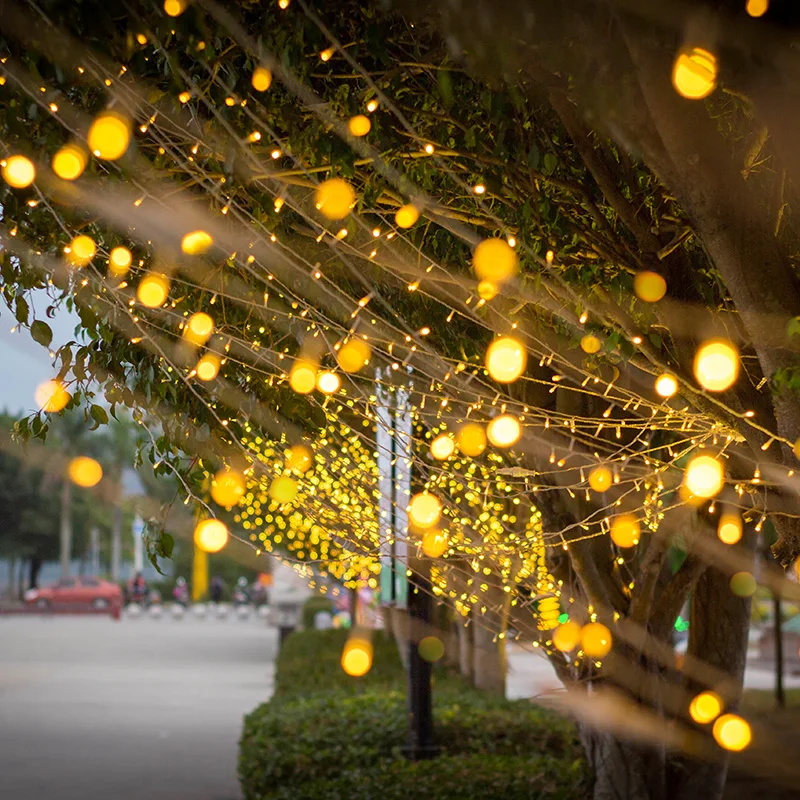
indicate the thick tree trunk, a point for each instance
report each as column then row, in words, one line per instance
column 490, row 662
column 465, row 646
column 34, row 568
column 65, row 531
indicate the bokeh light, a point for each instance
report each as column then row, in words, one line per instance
column 85, row 471
column 431, row 649
column 694, row 73
column 198, row 328
column 471, row 439
column 729, row 529
column 357, row 657
column 591, row 344
column 208, row 367
column 487, row 290
column 19, row 172
column 153, row 290
column 299, row 458
column 435, row 543
column 666, row 385
column 567, row 636
column 52, row 396
column 70, row 162
column 196, row 243
column 506, row 359
column 228, row 487
column 262, row 79
column 328, row 382
column 406, row 216
column 442, row 447
column 334, row 198
column 360, row 125
column 705, row 707
column 353, row 355
column 494, row 260
column 596, row 640
column 119, row 261
column 600, row 479
column 743, row 584
column 716, row 365
column 211, row 535
column 504, row 431
column 704, row 476
column 109, row 135
column 81, row 251
column 732, row 732
column 424, row 510
column 303, row 376
column 283, row 489
column 649, row 286
column 625, row 530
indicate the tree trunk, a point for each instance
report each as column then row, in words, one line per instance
column 65, row 531
column 490, row 661
column 34, row 568
column 116, row 543
column 780, row 698
column 466, row 653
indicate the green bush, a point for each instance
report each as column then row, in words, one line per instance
column 325, row 734
column 312, row 606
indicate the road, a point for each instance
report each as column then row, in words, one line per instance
column 142, row 709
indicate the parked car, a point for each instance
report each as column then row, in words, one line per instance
column 77, row 594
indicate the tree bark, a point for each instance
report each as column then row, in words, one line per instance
column 116, row 543
column 465, row 647
column 34, row 568
column 490, row 661
column 65, row 531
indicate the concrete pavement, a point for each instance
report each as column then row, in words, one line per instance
column 143, row 709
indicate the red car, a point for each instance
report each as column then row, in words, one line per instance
column 77, row 594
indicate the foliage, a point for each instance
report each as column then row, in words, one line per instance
column 312, row 606
column 324, row 728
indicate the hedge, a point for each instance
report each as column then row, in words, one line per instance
column 327, row 735
column 313, row 606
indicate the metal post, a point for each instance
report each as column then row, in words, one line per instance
column 420, row 705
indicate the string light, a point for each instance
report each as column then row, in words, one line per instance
column 705, row 707
column 359, row 125
column 84, row 471
column 704, row 476
column 716, row 365
column 694, row 73
column 504, row 431
column 406, row 216
column 199, row 328
column 70, row 162
column 18, row 172
column 211, row 535
column 208, row 367
column 51, row 396
column 506, row 359
column 153, row 290
column 494, row 261
column 109, row 135
column 334, row 198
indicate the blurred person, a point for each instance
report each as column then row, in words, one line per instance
column 216, row 589
column 180, row 594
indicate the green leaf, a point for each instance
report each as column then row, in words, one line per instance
column 167, row 545
column 550, row 164
column 21, row 310
column 41, row 333
column 99, row 415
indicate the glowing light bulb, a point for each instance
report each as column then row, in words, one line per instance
column 299, row 458
column 506, row 359
column 487, row 290
column 283, row 489
column 357, row 657
column 730, row 528
column 434, row 543
column 196, row 243
column 334, row 198
column 442, row 447
column 757, row 8
column 70, row 162
column 303, row 376
column 81, row 251
column 732, row 732
column 424, row 510
column 211, row 535
column 704, row 476
column 208, row 367
column 590, row 344
column 431, row 649
column 262, row 79
column 227, row 487
column 353, row 355
column 504, row 431
column 649, row 286
column 600, row 479
column 471, row 439
column 19, row 172
column 109, row 135
column 666, row 385
column 359, row 125
column 198, row 328
column 51, row 396
column 153, row 290
column 596, row 640
column 495, row 260
column 625, row 530
column 85, row 471
column 705, row 707
column 694, row 73
column 372, row 106
column 328, row 382
column 119, row 261
column 716, row 365
column 174, row 8
column 567, row 637
column 743, row 584
column 406, row 216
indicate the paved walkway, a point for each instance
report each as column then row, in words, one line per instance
column 142, row 709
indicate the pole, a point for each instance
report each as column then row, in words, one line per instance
column 353, row 608
column 420, row 706
column 780, row 697
column 116, row 542
column 65, row 528
column 138, row 545
column 94, row 546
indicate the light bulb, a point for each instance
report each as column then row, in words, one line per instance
column 471, row 439
column 495, row 260
column 442, row 447
column 211, row 535
column 199, row 328
column 359, row 125
column 694, row 73
column 406, row 216
column 19, row 172
column 84, row 471
column 506, row 359
column 227, row 487
column 70, row 162
column 424, row 510
column 334, row 198
column 109, row 135
column 704, row 476
column 503, row 431
column 716, row 365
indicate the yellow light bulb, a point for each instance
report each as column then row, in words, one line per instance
column 506, row 359
column 471, row 439
column 495, row 260
column 694, row 73
column 119, row 261
column 82, row 250
column 227, row 487
column 705, row 707
column 590, row 344
column 757, row 8
column 596, row 640
column 283, row 489
column 406, row 216
column 211, row 535
column 109, row 135
column 649, row 286
column 625, row 530
column 434, row 543
column 666, row 385
column 70, row 162
column 716, row 365
column 85, row 471
column 208, row 367
column 334, row 198
column 359, row 125
column 503, row 431
column 51, row 396
column 299, row 458
column 262, row 79
column 357, row 657
column 600, row 479
column 730, row 528
column 487, row 290
column 19, row 172
column 704, row 476
column 198, row 328
column 732, row 732
column 174, row 8
column 442, row 447
column 153, row 290
column 424, row 510
column 303, row 376
column 196, row 243
column 328, row 382
column 567, row 637
column 353, row 355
